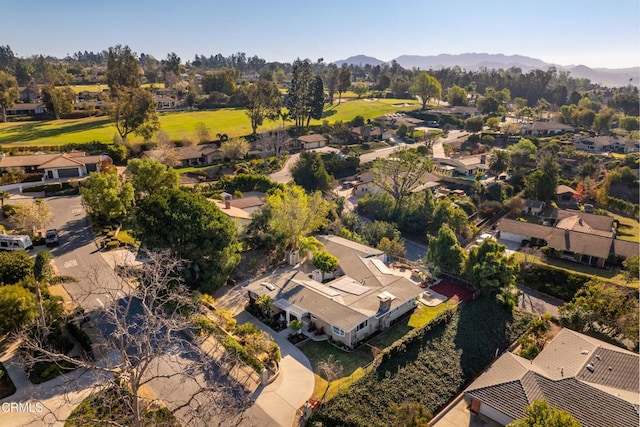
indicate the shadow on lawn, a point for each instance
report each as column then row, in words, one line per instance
column 35, row 130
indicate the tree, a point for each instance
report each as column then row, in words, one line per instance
column 310, row 172
column 542, row 184
column 123, row 69
column 541, row 414
column 474, row 124
column 331, row 369
column 295, row 214
column 8, row 93
column 149, row 176
column 445, row 251
column 203, row 132
column 301, row 91
column 32, row 216
column 17, row 308
column 425, row 87
column 325, row 262
column 344, row 81
column 4, row 195
column 493, row 123
column 332, row 81
column 498, row 161
column 15, row 266
column 265, row 303
column 393, row 247
column 263, row 101
column 134, row 111
column 489, row 269
column 400, row 174
column 171, row 69
column 106, row 196
column 522, row 154
column 42, row 273
column 631, row 268
column 360, row 89
column 58, row 100
column 316, row 107
column 456, row 96
column 193, row 229
column 234, row 148
column 145, row 326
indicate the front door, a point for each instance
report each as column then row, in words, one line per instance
column 49, row 174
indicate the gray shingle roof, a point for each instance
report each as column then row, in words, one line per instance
column 612, row 369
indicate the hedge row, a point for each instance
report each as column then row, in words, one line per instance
column 552, row 281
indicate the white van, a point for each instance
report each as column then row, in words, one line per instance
column 15, row 242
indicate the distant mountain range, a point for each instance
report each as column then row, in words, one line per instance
column 612, row 77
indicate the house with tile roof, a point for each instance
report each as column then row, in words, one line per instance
column 55, row 166
column 594, row 381
column 361, row 297
column 192, row 155
column 542, row 128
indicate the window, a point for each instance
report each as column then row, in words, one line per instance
column 362, row 325
column 337, row 331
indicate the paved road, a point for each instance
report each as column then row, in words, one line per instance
column 415, row 251
column 283, row 176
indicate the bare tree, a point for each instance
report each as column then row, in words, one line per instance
column 332, row 369
column 165, row 152
column 272, row 143
column 33, row 216
column 149, row 347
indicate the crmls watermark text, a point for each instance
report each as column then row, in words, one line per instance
column 21, row 407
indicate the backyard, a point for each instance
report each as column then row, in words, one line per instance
column 177, row 124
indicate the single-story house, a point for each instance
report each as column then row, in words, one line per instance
column 30, row 93
column 366, row 184
column 626, row 146
column 240, row 217
column 27, row 109
column 579, row 241
column 308, row 142
column 367, row 133
column 538, row 128
column 461, row 111
column 394, row 120
column 533, row 207
column 361, row 297
column 565, row 193
column 249, row 203
column 164, row 102
column 193, row 155
column 55, row 166
column 594, row 381
column 467, row 165
column 596, row 144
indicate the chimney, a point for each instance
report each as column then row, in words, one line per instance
column 483, row 159
column 227, row 204
column 385, row 303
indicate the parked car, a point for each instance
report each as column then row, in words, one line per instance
column 51, row 237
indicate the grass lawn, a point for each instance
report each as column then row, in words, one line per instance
column 336, row 386
column 125, row 238
column 629, row 228
column 318, row 351
column 101, row 87
column 177, row 124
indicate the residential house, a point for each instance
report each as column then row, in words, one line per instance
column 565, row 193
column 240, row 217
column 30, row 93
column 27, row 109
column 55, row 166
column 366, row 184
column 394, row 120
column 539, row 128
column 462, row 112
column 249, row 202
column 576, row 236
column 164, row 102
column 465, row 166
column 532, row 207
column 363, row 296
column 367, row 133
column 192, row 155
column 594, row 381
column 308, row 142
column 596, row 144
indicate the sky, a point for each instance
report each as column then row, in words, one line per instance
column 565, row 32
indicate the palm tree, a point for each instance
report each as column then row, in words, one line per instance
column 3, row 196
column 499, row 161
column 265, row 302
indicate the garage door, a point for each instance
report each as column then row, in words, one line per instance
column 68, row 173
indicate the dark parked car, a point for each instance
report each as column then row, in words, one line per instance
column 51, row 238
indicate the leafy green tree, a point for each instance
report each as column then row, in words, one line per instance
column 498, row 161
column 300, row 97
column 489, row 269
column 360, row 89
column 474, row 124
column 15, row 266
column 263, row 101
column 235, row 148
column 374, row 232
column 425, row 87
column 541, row 414
column 542, row 184
column 17, row 308
column 123, row 69
column 445, row 212
column 522, row 154
column 331, row 81
column 445, row 251
column 134, row 111
column 310, row 172
column 8, row 93
column 456, row 96
column 400, row 174
column 629, row 123
column 325, row 262
column 344, row 81
column 631, row 268
column 295, row 214
column 59, row 100
column 393, row 247
column 106, row 196
column 149, row 176
column 193, row 229
column 117, row 152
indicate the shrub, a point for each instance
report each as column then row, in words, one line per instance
column 112, row 244
column 553, row 281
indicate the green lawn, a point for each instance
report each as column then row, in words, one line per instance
column 318, row 351
column 629, row 228
column 101, row 87
column 180, row 124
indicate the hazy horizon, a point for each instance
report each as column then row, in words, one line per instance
column 571, row 32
